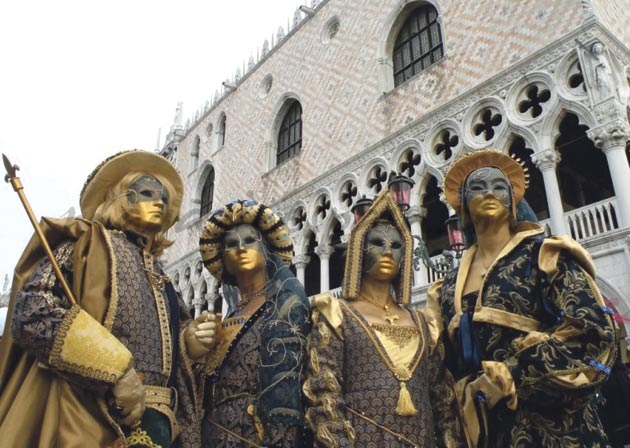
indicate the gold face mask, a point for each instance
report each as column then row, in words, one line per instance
column 487, row 193
column 243, row 251
column 147, row 200
column 383, row 251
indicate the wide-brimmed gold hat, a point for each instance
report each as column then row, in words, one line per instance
column 274, row 232
column 113, row 169
column 461, row 169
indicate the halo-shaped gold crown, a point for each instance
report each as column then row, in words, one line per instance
column 461, row 168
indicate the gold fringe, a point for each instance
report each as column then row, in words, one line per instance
column 405, row 405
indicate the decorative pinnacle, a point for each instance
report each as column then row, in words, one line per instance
column 11, row 169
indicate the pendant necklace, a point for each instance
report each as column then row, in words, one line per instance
column 389, row 317
column 244, row 302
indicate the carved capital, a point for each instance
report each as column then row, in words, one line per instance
column 324, row 251
column 546, row 159
column 416, row 214
column 613, row 134
column 301, row 261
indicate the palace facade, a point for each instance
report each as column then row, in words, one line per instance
column 357, row 89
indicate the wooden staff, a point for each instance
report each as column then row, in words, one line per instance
column 12, row 178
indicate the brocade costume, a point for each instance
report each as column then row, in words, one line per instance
column 354, row 384
column 540, row 314
column 253, row 394
column 254, row 397
column 62, row 359
column 378, row 384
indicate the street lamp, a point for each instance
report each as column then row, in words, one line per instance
column 400, row 189
column 360, row 208
column 455, row 235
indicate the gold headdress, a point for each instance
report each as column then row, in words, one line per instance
column 273, row 230
column 456, row 176
column 384, row 203
column 113, row 169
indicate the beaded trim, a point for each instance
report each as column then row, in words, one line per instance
column 401, row 372
column 400, row 334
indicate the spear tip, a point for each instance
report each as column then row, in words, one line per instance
column 11, row 169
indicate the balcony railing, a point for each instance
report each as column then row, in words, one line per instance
column 594, row 219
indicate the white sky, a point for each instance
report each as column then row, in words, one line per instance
column 81, row 80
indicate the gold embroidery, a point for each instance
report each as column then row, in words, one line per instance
column 140, row 437
column 400, row 334
column 83, row 346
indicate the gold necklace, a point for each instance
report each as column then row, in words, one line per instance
column 244, row 302
column 389, row 317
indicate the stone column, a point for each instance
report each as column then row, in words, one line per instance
column 197, row 304
column 300, row 262
column 324, row 252
column 415, row 215
column 547, row 161
column 612, row 138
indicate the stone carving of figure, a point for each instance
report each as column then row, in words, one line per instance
column 603, row 72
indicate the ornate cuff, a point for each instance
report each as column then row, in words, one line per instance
column 84, row 347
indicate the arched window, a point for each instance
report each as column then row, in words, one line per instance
column 418, row 45
column 290, row 134
column 206, row 194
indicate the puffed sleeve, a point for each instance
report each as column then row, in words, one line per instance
column 62, row 336
column 565, row 362
column 326, row 414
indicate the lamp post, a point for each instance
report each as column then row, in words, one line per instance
column 455, row 235
column 448, row 261
column 360, row 208
column 400, row 189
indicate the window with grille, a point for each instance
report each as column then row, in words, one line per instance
column 206, row 194
column 418, row 45
column 290, row 135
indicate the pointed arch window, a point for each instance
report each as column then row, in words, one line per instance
column 418, row 44
column 207, row 192
column 290, row 134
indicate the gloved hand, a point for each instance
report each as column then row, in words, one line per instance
column 128, row 394
column 493, row 385
column 200, row 335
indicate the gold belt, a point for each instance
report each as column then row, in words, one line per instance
column 160, row 395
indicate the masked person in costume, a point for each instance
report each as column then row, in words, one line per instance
column 529, row 336
column 376, row 375
column 253, row 389
column 116, row 368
